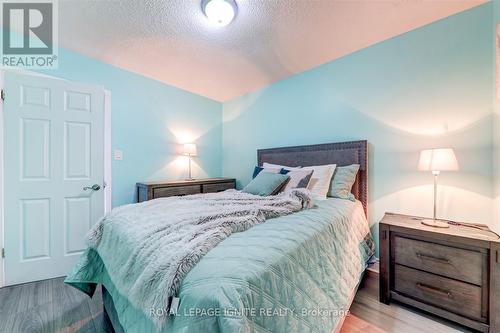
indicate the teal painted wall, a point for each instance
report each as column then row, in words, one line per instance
column 496, row 114
column 149, row 121
column 430, row 87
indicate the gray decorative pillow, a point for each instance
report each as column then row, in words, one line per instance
column 298, row 178
column 342, row 181
column 266, row 183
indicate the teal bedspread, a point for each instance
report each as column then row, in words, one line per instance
column 294, row 273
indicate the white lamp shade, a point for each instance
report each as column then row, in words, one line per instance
column 442, row 159
column 189, row 149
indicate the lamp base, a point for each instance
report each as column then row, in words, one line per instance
column 435, row 223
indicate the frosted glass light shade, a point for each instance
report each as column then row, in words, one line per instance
column 442, row 159
column 219, row 12
column 190, row 149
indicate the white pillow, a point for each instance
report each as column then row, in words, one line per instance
column 321, row 179
column 271, row 170
column 298, row 179
column 259, row 169
column 270, row 165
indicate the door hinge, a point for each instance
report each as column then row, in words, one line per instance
column 2, row 95
column 3, row 252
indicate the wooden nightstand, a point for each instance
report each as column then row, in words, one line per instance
column 453, row 272
column 153, row 190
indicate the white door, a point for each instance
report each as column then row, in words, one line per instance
column 54, row 154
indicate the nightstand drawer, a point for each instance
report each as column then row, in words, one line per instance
column 211, row 188
column 153, row 190
column 459, row 297
column 175, row 191
column 452, row 262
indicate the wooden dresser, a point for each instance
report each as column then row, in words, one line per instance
column 450, row 272
column 153, row 190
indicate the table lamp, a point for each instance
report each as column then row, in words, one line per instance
column 189, row 151
column 437, row 160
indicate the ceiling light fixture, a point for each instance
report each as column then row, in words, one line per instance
column 219, row 12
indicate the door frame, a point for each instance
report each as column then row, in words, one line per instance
column 107, row 158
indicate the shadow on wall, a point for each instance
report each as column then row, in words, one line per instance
column 496, row 163
column 428, row 88
column 395, row 184
column 163, row 160
column 175, row 164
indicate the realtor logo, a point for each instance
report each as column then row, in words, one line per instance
column 29, row 33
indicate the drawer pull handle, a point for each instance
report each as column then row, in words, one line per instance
column 429, row 257
column 432, row 289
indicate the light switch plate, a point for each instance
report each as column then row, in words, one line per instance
column 118, row 155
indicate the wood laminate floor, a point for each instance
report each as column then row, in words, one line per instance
column 51, row 306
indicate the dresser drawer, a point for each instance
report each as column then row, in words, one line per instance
column 160, row 192
column 211, row 188
column 452, row 262
column 455, row 296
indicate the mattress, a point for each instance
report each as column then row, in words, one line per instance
column 295, row 273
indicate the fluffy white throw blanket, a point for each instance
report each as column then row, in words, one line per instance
column 156, row 243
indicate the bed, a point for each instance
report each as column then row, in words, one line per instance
column 294, row 273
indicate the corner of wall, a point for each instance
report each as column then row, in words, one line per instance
column 495, row 225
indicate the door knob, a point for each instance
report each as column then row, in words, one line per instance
column 94, row 187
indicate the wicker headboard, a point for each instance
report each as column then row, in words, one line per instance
column 340, row 153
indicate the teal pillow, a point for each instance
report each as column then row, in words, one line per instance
column 266, row 183
column 342, row 181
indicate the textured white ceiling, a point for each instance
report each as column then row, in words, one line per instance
column 269, row 40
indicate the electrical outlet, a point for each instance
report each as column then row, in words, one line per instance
column 118, row 155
